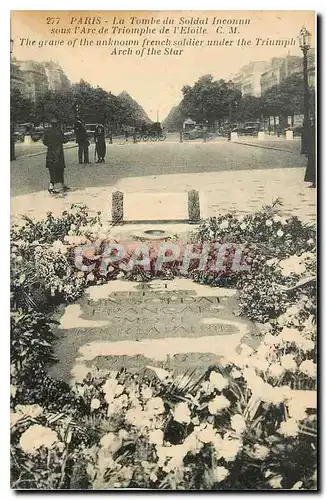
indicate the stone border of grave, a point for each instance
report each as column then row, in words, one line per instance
column 117, row 210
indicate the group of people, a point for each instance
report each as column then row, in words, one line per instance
column 54, row 139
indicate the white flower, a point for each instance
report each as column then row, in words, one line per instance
column 155, row 406
column 205, row 434
column 243, row 226
column 287, row 361
column 276, row 481
column 238, row 424
column 276, row 370
column 175, row 454
column 217, row 404
column 111, row 442
column 246, row 350
column 310, row 241
column 73, row 227
column 224, row 224
column 280, row 233
column 292, row 265
column 297, row 486
column 296, row 409
column 112, row 389
column 156, row 437
column 228, row 448
column 146, row 392
column 117, row 405
column 260, row 452
column 95, row 404
column 289, row 335
column 290, row 428
column 277, row 218
column 36, row 436
column 218, row 381
column 182, row 413
column 123, row 434
column 220, row 474
column 206, row 387
column 309, row 368
column 138, row 417
column 269, row 222
column 260, row 363
column 236, row 373
column 90, row 277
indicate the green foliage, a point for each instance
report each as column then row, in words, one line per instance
column 21, row 108
column 208, row 99
column 286, row 98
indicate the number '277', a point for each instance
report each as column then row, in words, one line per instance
column 53, row 20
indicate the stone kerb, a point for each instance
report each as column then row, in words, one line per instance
column 155, row 207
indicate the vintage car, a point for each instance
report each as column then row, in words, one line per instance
column 249, row 128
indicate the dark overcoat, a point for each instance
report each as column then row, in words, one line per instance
column 54, row 140
column 100, row 142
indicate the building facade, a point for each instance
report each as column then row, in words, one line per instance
column 17, row 80
column 57, row 79
column 33, row 78
column 257, row 77
column 247, row 80
column 279, row 68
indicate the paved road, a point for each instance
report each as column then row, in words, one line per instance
column 29, row 175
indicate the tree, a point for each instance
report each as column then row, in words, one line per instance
column 55, row 103
column 209, row 100
column 286, row 99
column 249, row 108
column 174, row 120
column 21, row 108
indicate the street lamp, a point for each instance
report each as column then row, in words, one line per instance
column 304, row 39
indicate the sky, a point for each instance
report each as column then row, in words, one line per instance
column 154, row 81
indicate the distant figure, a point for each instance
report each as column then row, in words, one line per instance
column 100, row 143
column 310, row 173
column 279, row 130
column 54, row 139
column 82, row 141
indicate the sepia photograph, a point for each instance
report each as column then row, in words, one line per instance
column 163, row 250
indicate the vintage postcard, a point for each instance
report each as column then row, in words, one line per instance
column 163, row 250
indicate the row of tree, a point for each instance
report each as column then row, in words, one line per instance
column 213, row 101
column 92, row 104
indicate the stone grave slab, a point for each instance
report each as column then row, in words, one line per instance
column 121, row 324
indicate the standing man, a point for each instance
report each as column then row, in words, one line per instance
column 310, row 172
column 82, row 141
column 54, row 139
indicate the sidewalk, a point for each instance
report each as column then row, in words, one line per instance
column 272, row 142
column 241, row 191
